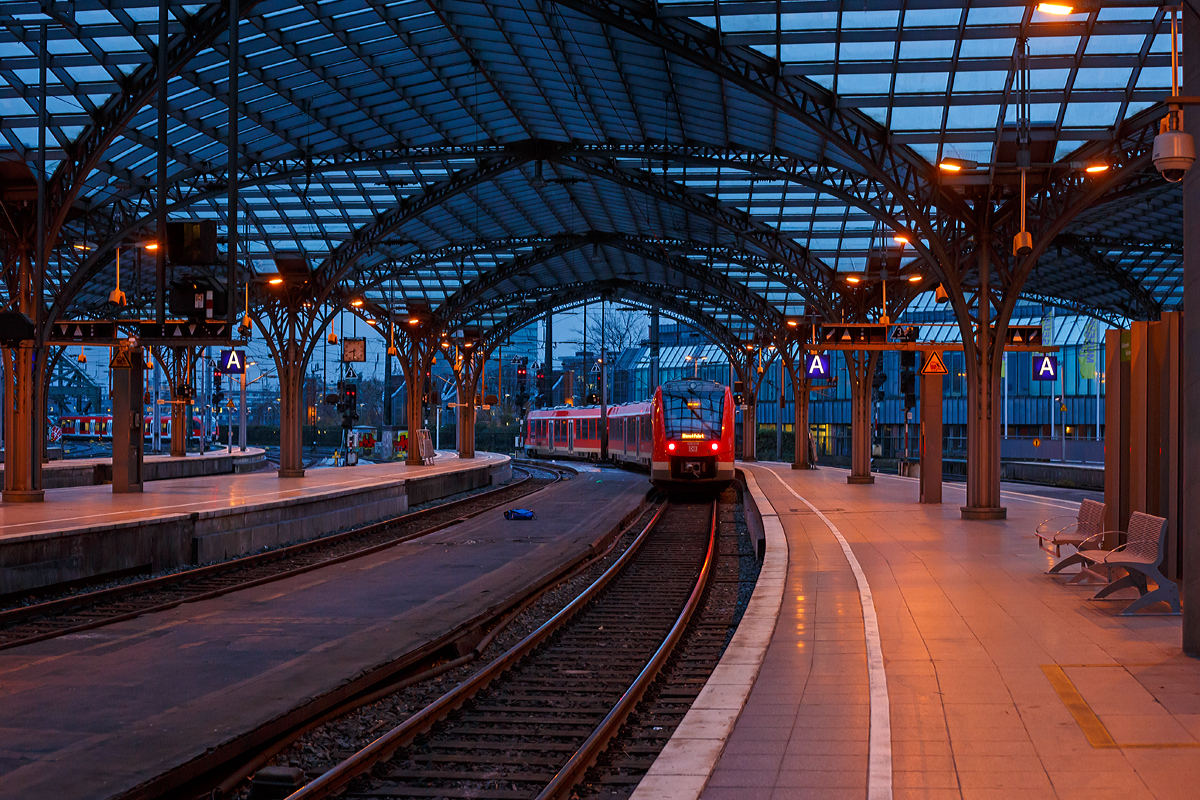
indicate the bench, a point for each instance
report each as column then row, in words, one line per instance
column 1140, row 557
column 1080, row 534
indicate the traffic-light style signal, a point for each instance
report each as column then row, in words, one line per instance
column 348, row 403
column 908, row 387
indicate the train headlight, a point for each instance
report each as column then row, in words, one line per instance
column 716, row 446
column 671, row 446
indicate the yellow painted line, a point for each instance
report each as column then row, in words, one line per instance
column 1093, row 729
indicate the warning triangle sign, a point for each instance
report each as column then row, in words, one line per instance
column 121, row 360
column 934, row 365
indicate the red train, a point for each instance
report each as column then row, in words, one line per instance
column 99, row 426
column 684, row 436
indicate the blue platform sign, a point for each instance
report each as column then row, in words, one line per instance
column 1045, row 367
column 232, row 362
column 816, row 365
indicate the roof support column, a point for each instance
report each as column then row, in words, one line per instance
column 466, row 366
column 861, row 367
column 983, row 400
column 26, row 364
column 1190, row 451
column 291, row 360
column 654, row 350
column 22, row 447
column 160, row 271
column 416, row 356
column 178, row 363
column 232, row 210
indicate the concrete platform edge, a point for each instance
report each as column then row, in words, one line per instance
column 684, row 766
column 28, row 561
column 463, row 638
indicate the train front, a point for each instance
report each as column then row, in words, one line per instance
column 693, row 434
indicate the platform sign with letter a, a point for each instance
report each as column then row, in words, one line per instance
column 816, row 365
column 232, row 362
column 1045, row 367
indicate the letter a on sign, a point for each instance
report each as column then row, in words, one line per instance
column 1045, row 368
column 817, row 366
column 232, row 362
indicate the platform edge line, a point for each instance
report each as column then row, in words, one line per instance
column 879, row 758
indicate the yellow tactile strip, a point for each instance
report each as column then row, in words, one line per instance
column 1090, row 724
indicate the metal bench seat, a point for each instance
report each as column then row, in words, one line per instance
column 1141, row 557
column 1053, row 535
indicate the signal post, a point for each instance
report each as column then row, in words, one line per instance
column 933, row 373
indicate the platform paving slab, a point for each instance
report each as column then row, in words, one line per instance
column 91, row 715
column 969, row 626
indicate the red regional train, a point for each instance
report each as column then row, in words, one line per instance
column 684, row 436
column 99, row 426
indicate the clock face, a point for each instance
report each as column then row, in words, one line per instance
column 354, row 350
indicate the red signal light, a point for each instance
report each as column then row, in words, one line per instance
column 671, row 446
column 716, row 446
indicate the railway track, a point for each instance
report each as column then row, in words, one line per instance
column 530, row 723
column 79, row 612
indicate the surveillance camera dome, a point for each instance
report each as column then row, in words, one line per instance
column 1174, row 153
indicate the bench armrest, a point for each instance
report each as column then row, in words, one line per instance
column 1041, row 529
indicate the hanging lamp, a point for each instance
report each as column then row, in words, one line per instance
column 116, row 296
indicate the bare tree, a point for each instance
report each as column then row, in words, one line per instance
column 622, row 329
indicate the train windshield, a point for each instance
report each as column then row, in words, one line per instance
column 693, row 413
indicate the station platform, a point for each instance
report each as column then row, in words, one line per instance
column 972, row 675
column 95, row 714
column 89, row 532
column 67, row 473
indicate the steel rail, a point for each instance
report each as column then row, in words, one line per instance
column 382, row 748
column 20, row 614
column 335, row 779
column 595, row 744
column 246, row 770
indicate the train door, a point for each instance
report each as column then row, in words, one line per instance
column 571, row 436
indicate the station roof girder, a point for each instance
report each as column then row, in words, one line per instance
column 372, row 134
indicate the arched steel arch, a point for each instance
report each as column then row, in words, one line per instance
column 465, row 302
column 567, row 295
column 599, row 159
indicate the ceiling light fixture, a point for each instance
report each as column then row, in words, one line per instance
column 275, row 281
column 956, row 164
column 1055, row 9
